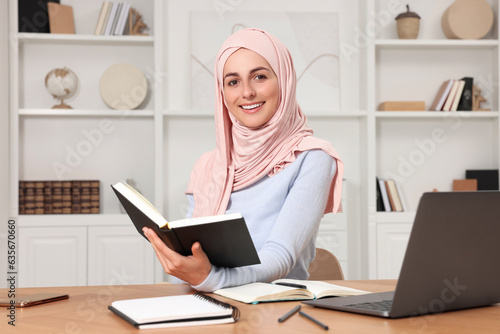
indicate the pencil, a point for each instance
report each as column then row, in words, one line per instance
column 317, row 322
column 289, row 314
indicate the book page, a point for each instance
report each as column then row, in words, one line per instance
column 203, row 220
column 259, row 292
column 141, row 203
column 323, row 289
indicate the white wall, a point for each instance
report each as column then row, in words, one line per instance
column 4, row 136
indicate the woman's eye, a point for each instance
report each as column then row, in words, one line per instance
column 232, row 82
column 260, row 77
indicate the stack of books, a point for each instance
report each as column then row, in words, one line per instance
column 454, row 95
column 113, row 18
column 389, row 196
column 59, row 197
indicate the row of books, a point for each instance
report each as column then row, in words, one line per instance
column 113, row 18
column 454, row 95
column 389, row 196
column 59, row 197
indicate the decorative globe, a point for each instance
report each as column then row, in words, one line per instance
column 62, row 83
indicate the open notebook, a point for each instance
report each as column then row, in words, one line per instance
column 175, row 311
column 275, row 291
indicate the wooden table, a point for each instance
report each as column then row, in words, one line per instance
column 86, row 312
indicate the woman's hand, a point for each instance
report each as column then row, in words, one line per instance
column 192, row 269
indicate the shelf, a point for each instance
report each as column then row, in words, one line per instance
column 82, row 39
column 395, row 217
column 86, row 113
column 73, row 220
column 435, row 44
column 436, row 114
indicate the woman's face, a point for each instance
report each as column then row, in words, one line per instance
column 251, row 88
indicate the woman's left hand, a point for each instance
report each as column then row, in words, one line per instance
column 192, row 269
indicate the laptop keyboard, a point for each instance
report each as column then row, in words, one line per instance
column 382, row 305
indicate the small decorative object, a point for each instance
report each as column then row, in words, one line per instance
column 135, row 23
column 123, row 86
column 467, row 19
column 477, row 99
column 408, row 24
column 62, row 83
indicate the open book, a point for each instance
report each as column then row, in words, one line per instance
column 268, row 292
column 224, row 238
column 175, row 311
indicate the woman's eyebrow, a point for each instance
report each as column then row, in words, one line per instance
column 235, row 74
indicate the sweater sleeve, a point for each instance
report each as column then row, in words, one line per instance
column 295, row 227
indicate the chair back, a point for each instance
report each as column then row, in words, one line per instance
column 325, row 266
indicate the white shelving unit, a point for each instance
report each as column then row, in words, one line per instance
column 48, row 242
column 156, row 145
column 423, row 151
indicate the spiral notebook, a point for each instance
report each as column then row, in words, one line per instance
column 175, row 311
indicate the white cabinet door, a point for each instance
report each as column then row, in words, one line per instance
column 392, row 240
column 118, row 255
column 52, row 256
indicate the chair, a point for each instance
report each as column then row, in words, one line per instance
column 325, row 266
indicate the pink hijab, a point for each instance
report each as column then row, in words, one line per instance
column 242, row 155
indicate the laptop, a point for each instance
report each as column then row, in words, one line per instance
column 451, row 261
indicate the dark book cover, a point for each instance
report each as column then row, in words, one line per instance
column 226, row 243
column 465, row 103
column 33, row 15
column 380, row 201
column 487, row 179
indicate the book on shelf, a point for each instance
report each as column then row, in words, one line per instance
column 454, row 95
column 451, row 96
column 58, row 197
column 110, row 19
column 487, row 179
column 385, row 197
column 175, row 311
column 465, row 185
column 441, row 96
column 32, row 16
column 465, row 103
column 102, row 18
column 122, row 19
column 401, row 196
column 380, row 201
column 458, row 95
column 61, row 19
column 254, row 293
column 402, row 106
column 113, row 18
column 393, row 196
column 224, row 238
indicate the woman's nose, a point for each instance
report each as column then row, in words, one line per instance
column 248, row 91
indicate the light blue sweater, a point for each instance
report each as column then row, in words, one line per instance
column 282, row 213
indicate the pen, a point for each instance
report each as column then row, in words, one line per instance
column 289, row 314
column 317, row 322
column 293, row 285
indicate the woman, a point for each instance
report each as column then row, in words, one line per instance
column 266, row 165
